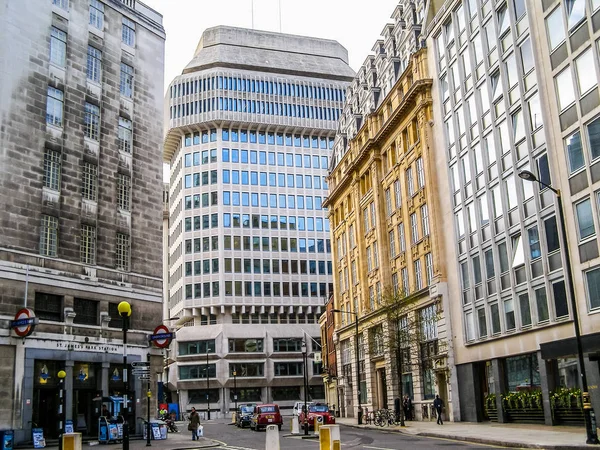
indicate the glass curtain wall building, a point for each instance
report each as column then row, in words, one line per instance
column 251, row 126
column 512, row 94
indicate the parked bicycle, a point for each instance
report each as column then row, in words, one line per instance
column 386, row 417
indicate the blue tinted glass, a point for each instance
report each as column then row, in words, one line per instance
column 188, row 181
column 289, row 159
column 315, row 162
column 188, row 140
column 225, row 176
column 253, row 137
column 280, row 159
column 282, row 201
column 234, row 136
column 309, row 202
column 279, row 138
column 281, row 179
column 254, row 178
column 253, row 157
column 271, row 158
column 271, row 138
column 290, row 180
column 262, row 138
column 318, row 203
column 188, row 160
column 310, row 225
column 235, row 155
column 272, row 179
column 273, row 200
column 262, row 158
column 245, row 199
column 225, row 134
column 288, row 139
column 297, row 140
column 299, row 181
column 307, row 161
column 263, row 178
column 291, row 202
column 264, row 200
column 225, row 154
column 308, row 181
column 235, row 177
column 314, row 142
column 196, row 158
column 300, row 201
column 235, row 198
column 254, row 199
column 213, row 135
column 227, row 220
column 243, row 136
column 298, row 159
column 226, row 198
column 244, row 156
column 244, row 177
column 204, row 137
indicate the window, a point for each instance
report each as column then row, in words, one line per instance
column 398, row 193
column 409, row 182
column 414, row 228
column 592, row 278
column 392, row 241
column 593, row 130
column 564, row 88
column 123, row 192
column 401, row 239
column 58, row 47
column 245, row 345
column 94, row 64
column 429, row 268
column 525, row 310
column 482, row 323
column 509, row 315
column 534, row 243
column 48, row 306
column 542, row 304
column 97, row 14
column 388, row 202
column 86, row 311
column 92, row 121
column 585, row 220
column 125, row 135
column 122, row 254
column 199, row 371
column 586, row 73
column 425, row 220
column 287, row 345
column 52, row 165
column 418, row 275
column 420, row 173
column 49, row 236
column 283, row 369
column 196, row 347
column 128, row 33
column 54, row 107
column 556, row 28
column 126, row 84
column 560, row 299
column 89, row 182
column 575, row 12
column 64, row 4
column 88, row 244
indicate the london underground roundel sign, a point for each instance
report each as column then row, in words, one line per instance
column 162, row 336
column 24, row 322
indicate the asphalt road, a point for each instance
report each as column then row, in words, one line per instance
column 234, row 438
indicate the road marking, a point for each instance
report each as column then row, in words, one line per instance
column 378, row 448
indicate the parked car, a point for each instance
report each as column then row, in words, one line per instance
column 243, row 415
column 264, row 415
column 298, row 407
column 319, row 411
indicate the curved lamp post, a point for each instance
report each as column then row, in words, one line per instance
column 125, row 311
column 359, row 412
column 588, row 412
column 61, row 406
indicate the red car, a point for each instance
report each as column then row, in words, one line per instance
column 317, row 411
column 264, row 415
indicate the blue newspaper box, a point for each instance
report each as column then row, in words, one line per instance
column 6, row 439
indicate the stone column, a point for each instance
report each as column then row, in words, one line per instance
column 69, row 389
column 105, row 377
column 547, row 382
column 499, row 387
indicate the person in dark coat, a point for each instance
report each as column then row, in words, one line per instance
column 438, row 404
column 407, row 406
column 194, row 423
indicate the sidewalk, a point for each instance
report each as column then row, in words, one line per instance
column 506, row 435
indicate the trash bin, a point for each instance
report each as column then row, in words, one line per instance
column 6, row 439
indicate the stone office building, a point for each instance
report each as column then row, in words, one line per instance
column 80, row 188
column 251, row 122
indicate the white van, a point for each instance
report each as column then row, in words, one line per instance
column 298, row 408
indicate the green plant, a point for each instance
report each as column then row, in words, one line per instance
column 490, row 401
column 564, row 398
column 523, row 400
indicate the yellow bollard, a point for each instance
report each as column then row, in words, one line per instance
column 336, row 445
column 324, row 439
column 233, row 418
column 317, row 424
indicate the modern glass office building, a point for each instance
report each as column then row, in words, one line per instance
column 251, row 122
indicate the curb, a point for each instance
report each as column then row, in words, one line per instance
column 474, row 440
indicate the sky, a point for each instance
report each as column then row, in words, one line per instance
column 356, row 24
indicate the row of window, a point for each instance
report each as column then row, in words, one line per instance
column 244, row 395
column 259, row 86
column 257, row 289
column 243, row 220
column 244, row 369
column 266, row 266
column 274, row 319
column 87, row 312
column 87, row 249
column 260, row 137
column 248, row 243
column 96, row 19
column 245, row 345
column 270, row 201
column 273, row 179
column 283, row 159
column 55, row 117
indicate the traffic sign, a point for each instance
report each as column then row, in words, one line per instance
column 162, row 336
column 140, row 364
column 144, row 377
column 140, row 372
column 25, row 322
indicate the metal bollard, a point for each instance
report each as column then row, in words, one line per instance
column 317, row 424
column 295, row 427
column 233, row 418
column 272, row 439
column 324, row 438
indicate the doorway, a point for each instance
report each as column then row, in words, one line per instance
column 45, row 411
column 382, row 399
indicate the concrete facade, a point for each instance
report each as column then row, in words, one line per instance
column 502, row 106
column 80, row 216
column 251, row 123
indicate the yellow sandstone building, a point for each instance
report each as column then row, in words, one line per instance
column 388, row 265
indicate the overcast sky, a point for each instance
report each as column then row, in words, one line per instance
column 356, row 24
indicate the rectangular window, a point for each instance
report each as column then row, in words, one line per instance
column 58, row 47
column 509, row 315
column 64, row 4
column 126, row 80
column 94, row 64
column 388, row 202
column 541, row 302
column 418, row 275
column 593, row 130
column 52, row 165
column 86, row 311
column 592, row 278
column 414, row 228
column 122, row 253
column 429, row 268
column 574, row 149
column 97, row 14
column 123, row 192
column 89, row 181
column 88, row 245
column 54, row 107
column 128, row 32
column 48, row 306
column 525, row 310
column 425, row 220
column 392, row 241
column 420, row 173
column 410, row 182
column 397, row 194
column 92, row 121
column 585, row 219
column 49, row 236
column 125, row 135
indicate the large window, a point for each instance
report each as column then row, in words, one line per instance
column 86, row 311
column 593, row 130
column 574, row 151
column 54, row 107
column 123, row 192
column 128, row 32
column 94, row 64
column 287, row 345
column 49, row 236
column 97, row 14
column 126, row 82
column 125, row 135
column 48, row 306
column 592, row 278
column 52, row 165
column 58, row 47
column 585, row 219
column 288, row 369
column 88, row 244
column 252, row 395
column 196, row 347
column 92, row 121
column 556, row 28
column 247, row 369
column 522, row 372
column 197, row 371
column 564, row 88
column 122, row 252
column 285, row 393
column 89, row 181
column 245, row 345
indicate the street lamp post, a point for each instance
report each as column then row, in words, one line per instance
column 588, row 411
column 304, row 357
column 125, row 311
column 359, row 413
column 61, row 406
column 207, row 387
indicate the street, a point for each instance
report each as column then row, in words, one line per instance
column 245, row 439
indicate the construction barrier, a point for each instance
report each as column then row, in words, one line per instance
column 295, row 426
column 71, row 441
column 329, row 437
column 272, row 439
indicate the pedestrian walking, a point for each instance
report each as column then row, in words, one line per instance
column 407, row 406
column 194, row 423
column 438, row 404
